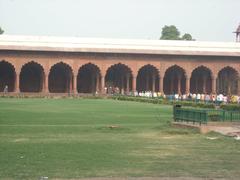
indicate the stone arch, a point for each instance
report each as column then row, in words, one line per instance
column 118, row 78
column 7, row 76
column 148, row 78
column 201, row 80
column 31, row 77
column 88, row 78
column 174, row 80
column 228, row 81
column 60, row 78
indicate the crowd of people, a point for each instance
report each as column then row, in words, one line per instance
column 219, row 98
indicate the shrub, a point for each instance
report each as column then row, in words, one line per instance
column 230, row 107
column 214, row 117
column 194, row 104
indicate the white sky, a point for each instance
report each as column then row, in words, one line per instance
column 206, row 20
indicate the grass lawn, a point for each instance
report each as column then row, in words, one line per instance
column 70, row 138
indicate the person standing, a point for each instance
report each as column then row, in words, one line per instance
column 5, row 89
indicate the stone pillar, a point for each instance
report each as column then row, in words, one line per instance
column 122, row 85
column 127, row 80
column 93, row 88
column 214, row 85
column 46, row 90
column 171, row 84
column 204, row 84
column 103, row 84
column 70, row 83
column 161, row 85
column 134, row 83
column 187, row 85
column 97, row 82
column 75, row 84
column 147, row 82
column 17, row 79
column 179, row 85
column 229, row 87
column 238, row 86
column 153, row 83
column 196, row 85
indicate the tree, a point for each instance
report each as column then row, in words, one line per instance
column 187, row 37
column 1, row 31
column 172, row 33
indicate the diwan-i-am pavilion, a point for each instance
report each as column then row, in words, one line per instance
column 79, row 65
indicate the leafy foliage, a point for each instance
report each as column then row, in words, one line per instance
column 230, row 107
column 172, row 33
column 1, row 31
column 187, row 37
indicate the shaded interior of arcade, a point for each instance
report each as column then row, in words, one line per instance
column 118, row 79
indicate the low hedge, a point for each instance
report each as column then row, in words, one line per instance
column 138, row 99
column 163, row 101
column 230, row 107
column 194, row 104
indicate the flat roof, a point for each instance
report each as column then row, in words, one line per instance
column 130, row 46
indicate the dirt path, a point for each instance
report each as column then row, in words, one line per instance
column 225, row 128
column 229, row 131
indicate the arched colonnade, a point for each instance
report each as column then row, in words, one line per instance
column 119, row 77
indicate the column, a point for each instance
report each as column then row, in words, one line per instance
column 161, row 85
column 171, row 84
column 127, row 79
column 103, row 84
column 71, row 83
column 46, row 90
column 122, row 84
column 74, row 84
column 147, row 82
column 17, row 79
column 134, row 81
column 179, row 85
column 153, row 83
column 93, row 88
column 213, row 85
column 238, row 86
column 97, row 82
column 196, row 85
column 204, row 84
column 187, row 85
column 229, row 87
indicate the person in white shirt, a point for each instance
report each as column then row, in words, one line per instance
column 198, row 97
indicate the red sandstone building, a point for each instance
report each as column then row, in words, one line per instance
column 75, row 65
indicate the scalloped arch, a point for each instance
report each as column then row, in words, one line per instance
column 13, row 66
column 89, row 64
column 204, row 67
column 228, row 67
column 175, row 66
column 120, row 64
column 59, row 63
column 148, row 65
column 32, row 62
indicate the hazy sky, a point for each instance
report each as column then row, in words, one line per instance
column 206, row 20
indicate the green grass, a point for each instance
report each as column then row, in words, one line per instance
column 70, row 138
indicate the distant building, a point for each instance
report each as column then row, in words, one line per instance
column 79, row 65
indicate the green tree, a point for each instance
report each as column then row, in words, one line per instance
column 187, row 37
column 1, row 31
column 170, row 33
